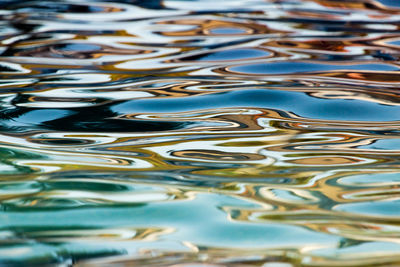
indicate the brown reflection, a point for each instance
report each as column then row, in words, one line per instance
column 216, row 155
column 325, row 161
column 217, row 28
column 312, row 45
column 366, row 76
column 358, row 4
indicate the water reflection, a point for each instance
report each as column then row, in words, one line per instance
column 199, row 133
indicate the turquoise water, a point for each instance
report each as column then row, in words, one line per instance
column 199, row 133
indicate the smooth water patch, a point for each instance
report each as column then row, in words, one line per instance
column 372, row 179
column 304, row 67
column 230, row 54
column 377, row 208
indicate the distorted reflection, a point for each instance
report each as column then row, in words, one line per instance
column 199, row 133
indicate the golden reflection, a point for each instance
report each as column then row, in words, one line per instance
column 216, row 155
column 123, row 234
column 326, row 161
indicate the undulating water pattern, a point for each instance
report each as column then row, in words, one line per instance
column 200, row 133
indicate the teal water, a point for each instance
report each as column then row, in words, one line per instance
column 199, row 133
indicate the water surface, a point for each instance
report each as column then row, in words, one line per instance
column 199, row 133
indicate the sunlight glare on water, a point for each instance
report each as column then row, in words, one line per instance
column 206, row 133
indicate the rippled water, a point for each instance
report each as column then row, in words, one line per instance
column 200, row 133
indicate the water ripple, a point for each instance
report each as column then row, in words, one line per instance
column 199, row 133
